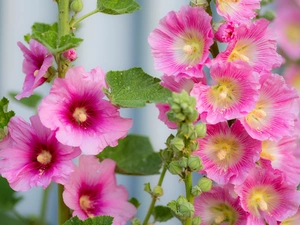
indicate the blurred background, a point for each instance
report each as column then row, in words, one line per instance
column 115, row 43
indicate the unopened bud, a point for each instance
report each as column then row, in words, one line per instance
column 183, row 162
column 186, row 129
column 158, row 191
column 76, row 6
column 205, row 184
column 166, row 155
column 177, row 144
column 186, row 210
column 196, row 220
column 194, row 145
column 194, row 163
column 175, row 168
column 199, row 3
column 135, row 221
column 196, row 191
column 269, row 15
column 200, row 129
column 70, row 54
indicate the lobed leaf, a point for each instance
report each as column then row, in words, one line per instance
column 162, row 213
column 117, row 7
column 4, row 114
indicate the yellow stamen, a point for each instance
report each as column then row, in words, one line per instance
column 80, row 115
column 262, row 204
column 220, row 218
column 224, row 151
column 86, row 204
column 189, row 49
column 236, row 55
column 35, row 73
column 44, row 157
column 223, row 94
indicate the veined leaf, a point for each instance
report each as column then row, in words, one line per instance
column 116, row 7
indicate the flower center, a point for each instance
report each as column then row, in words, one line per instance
column 80, row 115
column 86, row 204
column 189, row 49
column 293, row 33
column 224, row 151
column 35, row 73
column 261, row 203
column 220, row 218
column 236, row 55
column 44, row 157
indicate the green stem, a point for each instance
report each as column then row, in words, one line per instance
column 44, row 206
column 151, row 207
column 63, row 210
column 188, row 181
column 72, row 24
column 214, row 49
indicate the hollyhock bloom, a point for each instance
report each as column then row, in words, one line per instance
column 255, row 44
column 34, row 157
column 238, row 11
column 293, row 220
column 267, row 197
column 177, row 85
column 75, row 109
column 292, row 76
column 181, row 42
column 233, row 96
column 92, row 191
column 36, row 62
column 225, row 32
column 275, row 112
column 228, row 153
column 282, row 157
column 218, row 207
column 287, row 25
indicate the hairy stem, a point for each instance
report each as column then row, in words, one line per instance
column 151, row 207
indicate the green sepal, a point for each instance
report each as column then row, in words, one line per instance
column 162, row 213
column 117, row 7
column 103, row 220
column 134, row 155
column 134, row 88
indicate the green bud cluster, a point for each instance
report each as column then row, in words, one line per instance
column 182, row 108
column 182, row 208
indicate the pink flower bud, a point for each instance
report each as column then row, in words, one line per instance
column 70, row 54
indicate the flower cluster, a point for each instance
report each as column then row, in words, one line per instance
column 251, row 148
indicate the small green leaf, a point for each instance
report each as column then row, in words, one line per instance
column 99, row 220
column 135, row 202
column 4, row 114
column 162, row 213
column 44, row 27
column 116, row 7
column 147, row 188
column 8, row 197
column 48, row 39
column 68, row 41
column 30, row 102
column 134, row 155
column 134, row 88
column 27, row 38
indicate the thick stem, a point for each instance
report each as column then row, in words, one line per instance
column 63, row 210
column 152, row 204
column 188, row 181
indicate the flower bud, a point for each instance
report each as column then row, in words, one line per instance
column 135, row 221
column 205, row 184
column 200, row 129
column 166, row 155
column 183, row 162
column 158, row 191
column 70, row 54
column 186, row 129
column 199, row 3
column 196, row 220
column 181, row 200
column 76, row 6
column 175, row 168
column 193, row 116
column 186, row 210
column 193, row 145
column 196, row 190
column 177, row 144
column 194, row 163
column 269, row 15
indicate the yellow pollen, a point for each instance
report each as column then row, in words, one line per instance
column 259, row 113
column 220, row 218
column 267, row 155
column 80, row 115
column 223, row 94
column 223, row 152
column 44, row 157
column 262, row 204
column 35, row 73
column 85, row 203
column 236, row 55
column 189, row 49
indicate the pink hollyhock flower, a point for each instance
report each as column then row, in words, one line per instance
column 225, row 32
column 34, row 157
column 293, row 220
column 282, row 156
column 238, row 11
column 291, row 74
column 175, row 84
column 75, row 109
column 287, row 25
column 233, row 96
column 255, row 44
column 218, row 207
column 275, row 112
column 228, row 153
column 36, row 62
column 267, row 197
column 92, row 191
column 181, row 42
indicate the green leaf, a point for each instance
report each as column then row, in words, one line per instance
column 68, row 41
column 30, row 102
column 116, row 7
column 134, row 88
column 4, row 114
column 134, row 156
column 48, row 39
column 44, row 27
column 99, row 220
column 27, row 38
column 8, row 219
column 162, row 213
column 135, row 202
column 8, row 197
